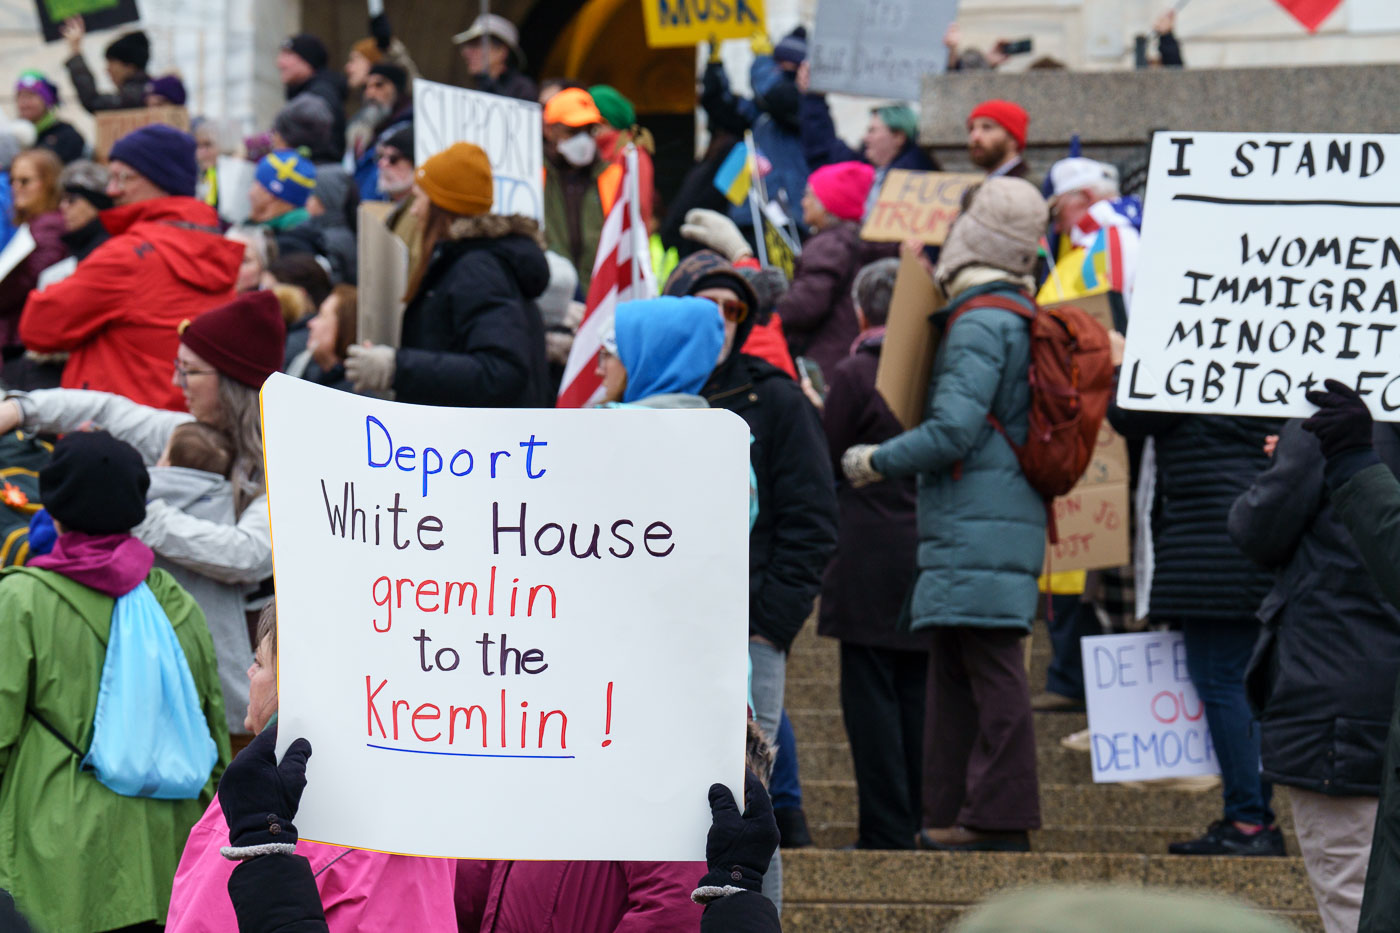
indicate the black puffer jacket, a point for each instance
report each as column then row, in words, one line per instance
column 1204, row 462
column 330, row 87
column 795, row 533
column 1323, row 677
column 472, row 335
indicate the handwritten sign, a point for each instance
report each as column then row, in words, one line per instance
column 1269, row 264
column 509, row 634
column 879, row 48
column 96, row 14
column 508, row 130
column 672, row 23
column 916, row 205
column 1145, row 719
column 911, row 342
column 112, row 125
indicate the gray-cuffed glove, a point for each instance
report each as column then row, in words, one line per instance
column 857, row 464
column 718, row 232
column 371, row 369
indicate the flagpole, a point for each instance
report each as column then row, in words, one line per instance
column 757, row 196
column 641, row 237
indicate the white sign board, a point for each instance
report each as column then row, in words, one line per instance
column 1269, row 264
column 879, row 48
column 1145, row 718
column 509, row 130
column 509, row 634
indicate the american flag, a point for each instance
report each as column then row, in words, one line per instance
column 621, row 272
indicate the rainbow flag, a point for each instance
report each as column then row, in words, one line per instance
column 733, row 178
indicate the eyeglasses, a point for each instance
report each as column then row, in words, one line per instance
column 182, row 375
column 393, row 158
column 734, row 310
column 120, row 179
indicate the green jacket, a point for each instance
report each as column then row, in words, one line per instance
column 981, row 525
column 557, row 228
column 1369, row 505
column 77, row 856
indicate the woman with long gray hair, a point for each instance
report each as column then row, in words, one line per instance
column 224, row 357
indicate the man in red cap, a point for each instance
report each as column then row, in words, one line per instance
column 996, row 137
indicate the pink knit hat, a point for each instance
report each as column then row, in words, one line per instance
column 842, row 188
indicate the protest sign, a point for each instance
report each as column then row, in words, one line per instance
column 1145, row 719
column 508, row 130
column 96, row 14
column 514, row 634
column 112, row 125
column 879, row 48
column 383, row 273
column 1268, row 265
column 234, row 177
column 906, row 359
column 672, row 23
column 916, row 206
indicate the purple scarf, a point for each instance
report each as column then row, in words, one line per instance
column 111, row 564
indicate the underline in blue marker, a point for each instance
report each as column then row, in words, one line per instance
column 423, row 751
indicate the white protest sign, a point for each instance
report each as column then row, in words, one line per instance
column 1269, row 264
column 879, row 48
column 1145, row 719
column 509, row 130
column 509, row 634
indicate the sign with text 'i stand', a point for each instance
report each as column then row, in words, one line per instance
column 1146, row 720
column 1269, row 264
column 509, row 634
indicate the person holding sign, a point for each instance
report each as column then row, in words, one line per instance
column 34, row 180
column 127, row 56
column 981, row 531
column 472, row 335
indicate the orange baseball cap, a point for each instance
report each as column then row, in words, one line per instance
column 572, row 107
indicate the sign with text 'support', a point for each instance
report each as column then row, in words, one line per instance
column 509, row 634
column 1269, row 264
column 1146, row 720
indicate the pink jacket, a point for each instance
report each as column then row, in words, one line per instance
column 360, row 890
column 577, row 897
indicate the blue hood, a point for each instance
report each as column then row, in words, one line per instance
column 668, row 345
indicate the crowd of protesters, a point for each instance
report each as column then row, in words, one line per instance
column 139, row 327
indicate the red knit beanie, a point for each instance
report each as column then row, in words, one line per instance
column 1011, row 116
column 244, row 339
column 842, row 188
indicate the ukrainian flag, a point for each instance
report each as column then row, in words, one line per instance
column 733, row 178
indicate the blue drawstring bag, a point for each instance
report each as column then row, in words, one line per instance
column 149, row 735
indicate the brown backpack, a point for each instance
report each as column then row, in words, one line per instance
column 1071, row 377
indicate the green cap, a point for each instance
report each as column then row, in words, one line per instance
column 615, row 108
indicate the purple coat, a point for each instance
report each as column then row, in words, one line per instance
column 47, row 230
column 818, row 312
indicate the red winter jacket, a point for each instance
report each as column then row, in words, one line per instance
column 119, row 313
column 578, row 897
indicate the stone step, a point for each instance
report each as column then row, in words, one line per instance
column 903, row 918
column 1066, row 805
column 816, row 876
column 1140, row 840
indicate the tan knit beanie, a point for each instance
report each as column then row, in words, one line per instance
column 1001, row 228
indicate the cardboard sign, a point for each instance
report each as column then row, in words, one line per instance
column 879, row 48
column 916, row 206
column 509, row 131
column 383, row 269
column 1092, row 518
column 112, row 125
column 514, row 634
column 672, row 23
column 906, row 360
column 1145, row 719
column 96, row 14
column 1269, row 264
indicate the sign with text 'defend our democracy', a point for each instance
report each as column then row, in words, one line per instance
column 1146, row 720
column 509, row 634
column 509, row 131
column 1269, row 264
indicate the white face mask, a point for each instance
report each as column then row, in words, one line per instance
column 579, row 150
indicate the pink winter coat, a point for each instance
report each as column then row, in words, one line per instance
column 360, row 890
column 577, row 897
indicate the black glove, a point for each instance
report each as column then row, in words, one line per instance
column 739, row 848
column 383, row 34
column 1342, row 422
column 259, row 797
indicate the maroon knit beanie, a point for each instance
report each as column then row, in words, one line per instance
column 244, row 339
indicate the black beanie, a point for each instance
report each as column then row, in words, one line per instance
column 95, row 483
column 309, row 49
column 131, row 49
column 394, row 74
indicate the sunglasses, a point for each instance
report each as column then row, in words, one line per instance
column 393, row 158
column 734, row 310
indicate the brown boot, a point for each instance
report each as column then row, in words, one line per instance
column 962, row 839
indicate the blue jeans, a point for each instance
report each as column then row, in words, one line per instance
column 786, row 787
column 1073, row 619
column 1216, row 655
